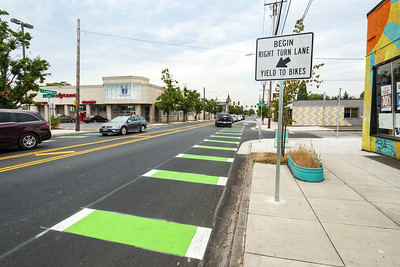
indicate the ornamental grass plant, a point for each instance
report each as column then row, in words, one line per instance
column 302, row 155
column 305, row 157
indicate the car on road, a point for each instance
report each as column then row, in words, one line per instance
column 23, row 128
column 95, row 118
column 66, row 119
column 224, row 119
column 123, row 125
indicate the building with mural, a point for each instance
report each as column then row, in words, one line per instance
column 381, row 121
column 325, row 113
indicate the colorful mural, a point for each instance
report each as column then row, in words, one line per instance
column 307, row 116
column 383, row 43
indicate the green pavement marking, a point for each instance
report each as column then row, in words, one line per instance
column 71, row 136
column 167, row 237
column 187, row 177
column 220, row 141
column 211, row 158
column 216, row 147
column 224, row 136
column 231, row 133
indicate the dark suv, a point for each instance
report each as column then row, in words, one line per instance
column 22, row 128
column 224, row 119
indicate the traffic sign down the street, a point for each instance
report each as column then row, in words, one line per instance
column 48, row 91
column 49, row 95
column 262, row 104
column 284, row 57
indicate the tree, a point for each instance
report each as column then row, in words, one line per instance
column 62, row 83
column 302, row 94
column 346, row 95
column 362, row 95
column 291, row 87
column 18, row 77
column 264, row 111
column 188, row 101
column 171, row 97
column 211, row 106
column 198, row 107
column 314, row 96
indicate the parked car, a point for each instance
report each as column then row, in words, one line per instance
column 124, row 125
column 22, row 128
column 66, row 119
column 235, row 118
column 224, row 119
column 95, row 118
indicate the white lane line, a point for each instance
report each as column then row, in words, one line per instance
column 222, row 181
column 230, row 159
column 72, row 220
column 198, row 246
column 150, row 173
column 180, row 155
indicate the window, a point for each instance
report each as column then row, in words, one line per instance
column 93, row 110
column 115, row 108
column 5, row 117
column 122, row 91
column 351, row 112
column 386, row 105
column 22, row 117
column 102, row 108
column 72, row 108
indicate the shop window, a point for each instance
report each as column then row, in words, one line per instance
column 128, row 110
column 386, row 111
column 115, row 108
column 102, row 108
column 93, row 110
column 72, row 108
column 351, row 112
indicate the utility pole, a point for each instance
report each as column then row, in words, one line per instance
column 78, row 68
column 204, row 103
column 323, row 111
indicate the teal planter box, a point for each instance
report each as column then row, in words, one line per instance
column 306, row 174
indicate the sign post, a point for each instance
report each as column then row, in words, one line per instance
column 48, row 94
column 285, row 57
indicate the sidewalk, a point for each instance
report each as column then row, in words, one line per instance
column 352, row 218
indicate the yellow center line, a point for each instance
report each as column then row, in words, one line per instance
column 31, row 163
column 95, row 143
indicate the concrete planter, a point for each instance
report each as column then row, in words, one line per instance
column 306, row 174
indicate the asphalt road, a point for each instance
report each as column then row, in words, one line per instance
column 120, row 186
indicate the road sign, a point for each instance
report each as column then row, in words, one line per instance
column 49, row 95
column 48, row 91
column 284, row 57
column 262, row 104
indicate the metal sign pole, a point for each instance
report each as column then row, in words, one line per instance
column 279, row 143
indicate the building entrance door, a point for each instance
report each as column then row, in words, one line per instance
column 147, row 113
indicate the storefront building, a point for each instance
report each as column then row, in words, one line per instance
column 117, row 95
column 381, row 121
column 325, row 113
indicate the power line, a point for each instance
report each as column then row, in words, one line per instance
column 339, row 58
column 287, row 12
column 307, row 8
column 162, row 43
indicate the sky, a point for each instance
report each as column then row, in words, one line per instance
column 204, row 44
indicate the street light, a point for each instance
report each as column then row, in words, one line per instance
column 23, row 25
